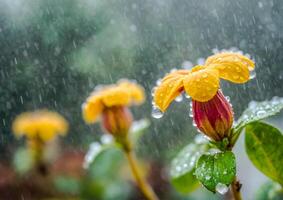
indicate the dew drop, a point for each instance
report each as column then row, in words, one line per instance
column 252, row 75
column 260, row 113
column 179, row 98
column 187, row 96
column 156, row 113
column 153, row 91
column 221, row 188
column 158, row 82
column 227, row 98
column 200, row 139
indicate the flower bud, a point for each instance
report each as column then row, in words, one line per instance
column 215, row 117
column 117, row 120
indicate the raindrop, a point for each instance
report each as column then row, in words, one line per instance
column 187, row 96
column 191, row 114
column 252, row 74
column 158, row 82
column 153, row 91
column 200, row 139
column 173, row 70
column 187, row 64
column 156, row 113
column 179, row 98
column 221, row 188
column 227, row 98
column 260, row 113
column 21, row 99
column 106, row 139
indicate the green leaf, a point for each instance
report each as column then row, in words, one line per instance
column 264, row 147
column 23, row 161
column 183, row 167
column 67, row 184
column 269, row 190
column 258, row 111
column 95, row 149
column 214, row 170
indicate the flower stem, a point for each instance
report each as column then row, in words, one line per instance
column 141, row 182
column 236, row 187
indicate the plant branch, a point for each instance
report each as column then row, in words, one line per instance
column 141, row 182
column 236, row 187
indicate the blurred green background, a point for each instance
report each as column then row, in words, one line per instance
column 53, row 53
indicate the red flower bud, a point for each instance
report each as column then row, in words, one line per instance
column 215, row 117
column 117, row 120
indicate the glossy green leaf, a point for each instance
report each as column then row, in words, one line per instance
column 23, row 161
column 269, row 190
column 183, row 166
column 214, row 170
column 95, row 149
column 259, row 110
column 264, row 147
column 67, row 184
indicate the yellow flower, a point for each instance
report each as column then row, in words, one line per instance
column 124, row 93
column 41, row 124
column 202, row 82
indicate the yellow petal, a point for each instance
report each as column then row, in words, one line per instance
column 171, row 86
column 42, row 123
column 233, row 67
column 92, row 109
column 202, row 83
column 135, row 91
column 115, row 96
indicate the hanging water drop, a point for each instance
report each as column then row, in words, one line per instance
column 221, row 188
column 179, row 98
column 187, row 96
column 153, row 91
column 227, row 98
column 156, row 113
column 191, row 114
column 252, row 74
column 260, row 113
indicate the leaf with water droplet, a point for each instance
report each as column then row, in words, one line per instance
column 95, row 149
column 258, row 111
column 183, row 167
column 263, row 146
column 221, row 167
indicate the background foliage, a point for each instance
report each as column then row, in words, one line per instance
column 53, row 53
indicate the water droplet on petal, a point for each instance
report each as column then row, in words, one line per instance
column 179, row 98
column 252, row 75
column 187, row 96
column 156, row 113
column 153, row 91
column 227, row 98
column 260, row 113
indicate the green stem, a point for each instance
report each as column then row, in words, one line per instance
column 235, row 185
column 140, row 180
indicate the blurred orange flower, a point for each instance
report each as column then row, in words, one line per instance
column 41, row 123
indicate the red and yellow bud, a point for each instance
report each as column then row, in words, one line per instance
column 117, row 120
column 215, row 117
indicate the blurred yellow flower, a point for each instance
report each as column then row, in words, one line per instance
column 202, row 82
column 124, row 93
column 41, row 124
